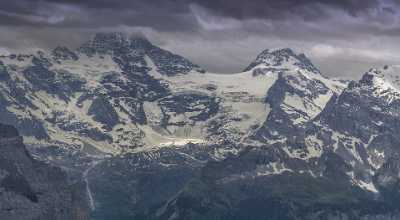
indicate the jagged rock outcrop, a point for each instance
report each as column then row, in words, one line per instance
column 30, row 189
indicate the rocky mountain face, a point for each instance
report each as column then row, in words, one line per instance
column 94, row 95
column 30, row 189
column 336, row 167
column 154, row 136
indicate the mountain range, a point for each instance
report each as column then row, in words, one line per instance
column 147, row 134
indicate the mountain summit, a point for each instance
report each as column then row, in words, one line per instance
column 136, row 49
column 283, row 58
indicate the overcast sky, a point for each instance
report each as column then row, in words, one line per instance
column 343, row 37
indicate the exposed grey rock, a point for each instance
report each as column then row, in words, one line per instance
column 33, row 190
column 103, row 112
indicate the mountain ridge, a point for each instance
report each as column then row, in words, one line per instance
column 138, row 111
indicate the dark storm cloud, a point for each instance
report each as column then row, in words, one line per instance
column 308, row 9
column 284, row 18
column 222, row 35
column 157, row 14
column 170, row 14
column 234, row 8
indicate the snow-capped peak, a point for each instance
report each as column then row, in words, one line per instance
column 132, row 51
column 384, row 82
column 105, row 43
column 388, row 77
column 282, row 58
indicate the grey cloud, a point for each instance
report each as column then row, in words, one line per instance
column 176, row 14
column 221, row 35
column 288, row 18
column 307, row 9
